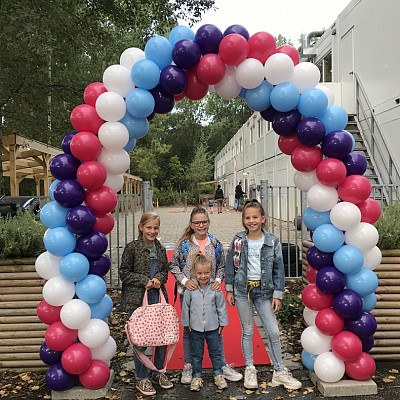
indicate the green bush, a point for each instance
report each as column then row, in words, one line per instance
column 166, row 197
column 21, row 236
column 206, row 189
column 388, row 226
column 292, row 310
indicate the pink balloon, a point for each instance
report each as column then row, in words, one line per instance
column 362, row 369
column 306, row 158
column 85, row 146
column 76, row 359
column 195, row 89
column 96, row 376
column 370, row 210
column 329, row 322
column 58, row 337
column 233, row 49
column 261, row 46
column 47, row 313
column 355, row 189
column 85, row 118
column 331, row 172
column 290, row 51
column 92, row 92
column 311, row 273
column 314, row 299
column 346, row 345
column 104, row 223
column 288, row 143
column 210, row 69
column 101, row 200
column 91, row 174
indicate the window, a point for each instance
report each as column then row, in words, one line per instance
column 260, row 128
column 240, row 145
column 325, row 68
column 252, row 134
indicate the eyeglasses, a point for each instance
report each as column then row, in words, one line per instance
column 197, row 223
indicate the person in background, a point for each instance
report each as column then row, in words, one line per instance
column 238, row 195
column 210, row 206
column 219, row 198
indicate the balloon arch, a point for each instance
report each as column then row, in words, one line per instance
column 340, row 296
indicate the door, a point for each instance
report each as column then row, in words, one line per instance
column 346, row 58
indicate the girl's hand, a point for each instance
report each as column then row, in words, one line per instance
column 230, row 299
column 216, row 286
column 276, row 305
column 190, row 285
column 149, row 285
column 156, row 283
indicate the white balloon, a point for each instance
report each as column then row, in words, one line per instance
column 211, row 88
column 345, row 215
column 75, row 314
column 57, row 291
column 104, row 352
column 278, row 68
column 94, row 334
column 305, row 76
column 372, row 257
column 110, row 106
column 328, row 92
column 228, row 88
column 250, row 73
column 322, row 198
column 113, row 135
column 364, row 236
column 130, row 56
column 117, row 78
column 47, row 265
column 314, row 341
column 304, row 180
column 115, row 182
column 328, row 367
column 309, row 316
column 115, row 162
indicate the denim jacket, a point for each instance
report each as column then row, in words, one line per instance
column 272, row 268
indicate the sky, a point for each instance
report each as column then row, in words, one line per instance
column 290, row 18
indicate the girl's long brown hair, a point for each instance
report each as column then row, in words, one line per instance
column 188, row 232
column 146, row 217
column 255, row 204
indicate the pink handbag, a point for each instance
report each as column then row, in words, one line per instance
column 153, row 325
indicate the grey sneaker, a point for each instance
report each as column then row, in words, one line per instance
column 186, row 374
column 286, row 379
column 145, row 387
column 250, row 377
column 163, row 381
column 196, row 384
column 230, row 373
column 220, row 382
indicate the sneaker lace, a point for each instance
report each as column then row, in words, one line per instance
column 229, row 367
column 288, row 375
column 252, row 374
column 147, row 385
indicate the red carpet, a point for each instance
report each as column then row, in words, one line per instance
column 231, row 333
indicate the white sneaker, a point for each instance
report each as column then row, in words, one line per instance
column 196, row 384
column 229, row 373
column 250, row 377
column 286, row 379
column 187, row 374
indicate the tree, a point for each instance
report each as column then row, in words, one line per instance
column 201, row 168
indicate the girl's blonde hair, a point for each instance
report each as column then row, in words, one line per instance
column 146, row 217
column 253, row 203
column 199, row 258
column 188, row 232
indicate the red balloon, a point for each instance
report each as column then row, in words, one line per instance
column 85, row 146
column 195, row 89
column 311, row 273
column 104, row 223
column 96, row 376
column 288, row 143
column 355, row 189
column 329, row 322
column 331, row 172
column 179, row 96
column 76, row 359
column 370, row 210
column 314, row 299
column 233, row 49
column 261, row 46
column 101, row 200
column 58, row 337
column 290, row 51
column 85, row 118
column 346, row 345
column 47, row 313
column 92, row 92
column 362, row 369
column 306, row 158
column 210, row 69
column 91, row 174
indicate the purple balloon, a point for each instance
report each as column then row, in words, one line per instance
column 173, row 80
column 101, row 266
column 64, row 166
column 92, row 245
column 363, row 325
column 356, row 163
column 57, row 378
column 285, row 123
column 186, row 54
column 208, row 37
column 66, row 142
column 330, row 280
column 239, row 29
column 367, row 343
column 268, row 114
column 319, row 259
column 164, row 103
column 347, row 303
column 48, row 355
column 80, row 219
column 337, row 144
column 69, row 193
column 310, row 131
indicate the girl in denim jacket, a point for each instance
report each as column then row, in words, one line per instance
column 254, row 276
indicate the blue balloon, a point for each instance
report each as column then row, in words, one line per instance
column 74, row 267
column 145, row 74
column 308, row 359
column 59, row 241
column 369, row 302
column 258, row 99
column 328, row 238
column 242, row 93
column 91, row 289
column 139, row 102
column 180, row 32
column 137, row 127
column 352, row 140
column 102, row 309
column 363, row 281
column 313, row 102
column 348, row 259
column 52, row 187
column 159, row 50
column 285, row 96
column 334, row 118
column 313, row 219
column 52, row 215
column 130, row 145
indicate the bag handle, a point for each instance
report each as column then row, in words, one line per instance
column 143, row 358
column 146, row 298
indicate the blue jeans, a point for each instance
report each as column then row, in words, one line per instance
column 187, row 339
column 197, row 351
column 268, row 319
column 237, row 204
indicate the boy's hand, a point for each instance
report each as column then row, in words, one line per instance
column 276, row 305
